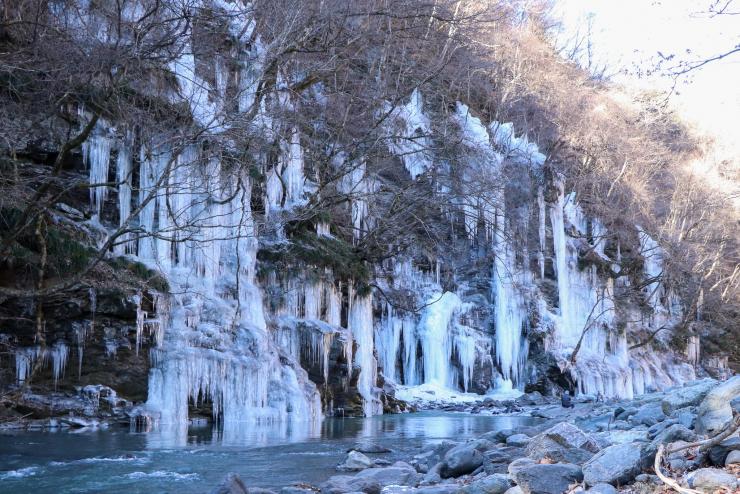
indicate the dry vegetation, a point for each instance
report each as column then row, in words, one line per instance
column 627, row 157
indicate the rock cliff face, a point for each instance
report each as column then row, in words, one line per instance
column 302, row 275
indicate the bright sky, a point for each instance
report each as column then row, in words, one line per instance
column 629, row 33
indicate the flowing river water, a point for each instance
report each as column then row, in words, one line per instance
column 197, row 459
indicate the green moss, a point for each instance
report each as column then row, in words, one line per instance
column 67, row 256
column 306, row 247
column 151, row 277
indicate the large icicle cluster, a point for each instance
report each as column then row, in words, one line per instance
column 217, row 340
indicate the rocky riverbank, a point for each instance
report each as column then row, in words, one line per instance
column 596, row 447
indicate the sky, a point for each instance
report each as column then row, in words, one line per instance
column 630, row 34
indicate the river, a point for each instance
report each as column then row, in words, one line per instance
column 196, row 459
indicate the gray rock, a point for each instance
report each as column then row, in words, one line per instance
column 460, row 460
column 482, row 444
column 548, row 479
column 690, row 395
column 400, row 473
column 602, row 488
column 514, row 490
column 649, row 415
column 715, row 410
column 492, row 484
column 733, row 458
column 497, row 460
column 552, row 412
column 432, row 476
column 341, row 484
column 292, row 490
column 369, row 447
column 626, row 413
column 686, row 418
column 711, row 479
column 355, row 461
column 431, row 489
column 616, row 464
column 718, row 453
column 498, row 436
column 232, row 484
column 519, row 464
column 517, row 440
column 534, row 398
column 656, row 429
column 621, row 437
column 648, row 479
column 562, row 443
column 676, row 432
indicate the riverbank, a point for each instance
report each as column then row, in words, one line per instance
column 597, row 447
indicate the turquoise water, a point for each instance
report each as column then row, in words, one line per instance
column 194, row 460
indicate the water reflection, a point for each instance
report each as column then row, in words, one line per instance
column 427, row 426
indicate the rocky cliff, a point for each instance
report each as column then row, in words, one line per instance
column 263, row 223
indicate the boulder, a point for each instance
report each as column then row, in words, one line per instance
column 340, row 484
column 533, row 398
column 648, row 415
column 431, row 454
column 718, row 453
column 355, row 461
column 715, row 411
column 514, row 490
column 685, row 417
column 621, row 437
column 617, row 464
column 400, row 473
column 602, row 488
column 548, row 479
column 562, row 443
column 492, row 484
column 369, row 447
column 659, row 427
column 460, row 460
column 497, row 460
column 519, row 464
column 711, row 480
column 517, row 440
column 733, row 458
column 676, row 432
column 498, row 436
column 429, row 489
column 624, row 413
column 687, row 396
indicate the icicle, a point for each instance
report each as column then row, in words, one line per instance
column 411, row 141
column 293, row 169
column 434, row 332
column 124, row 167
column 541, row 230
column 96, row 153
column 361, row 325
column 387, row 341
column 59, row 356
column 140, row 318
